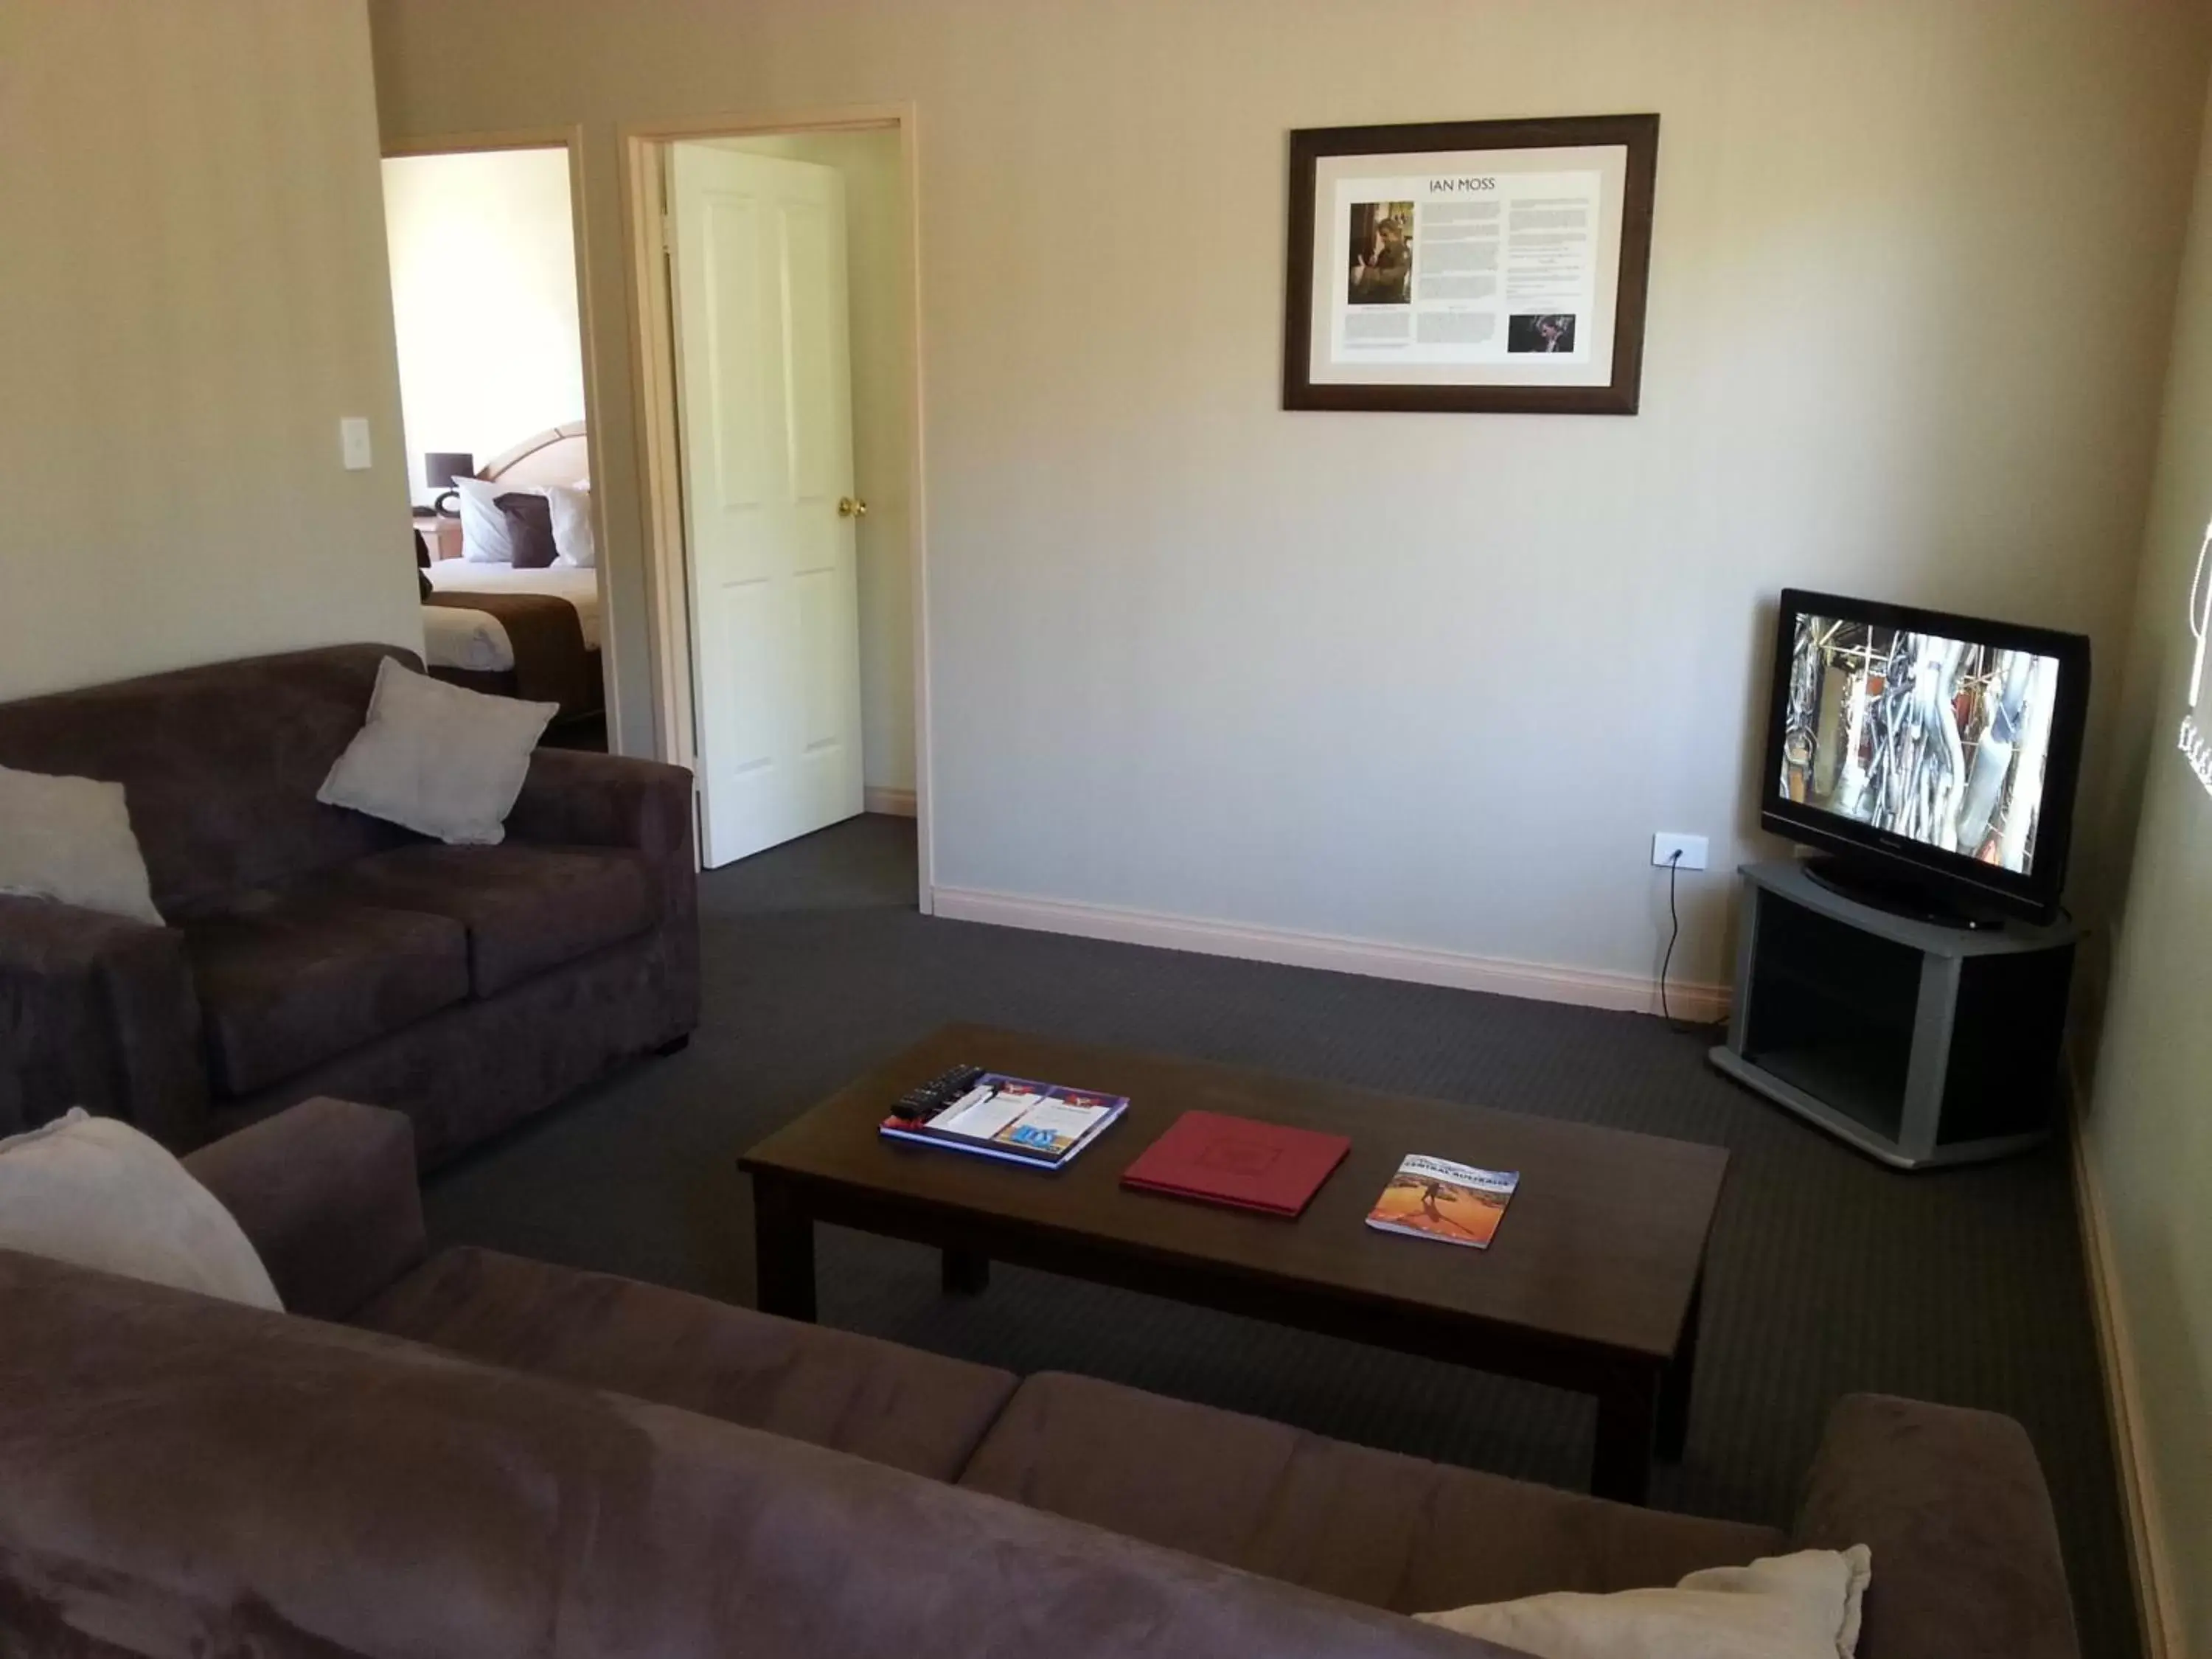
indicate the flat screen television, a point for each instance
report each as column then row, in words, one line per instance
column 1934, row 755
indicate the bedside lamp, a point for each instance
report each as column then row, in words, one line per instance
column 440, row 467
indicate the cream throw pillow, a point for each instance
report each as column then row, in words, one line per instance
column 1804, row 1606
column 70, row 840
column 95, row 1192
column 440, row 759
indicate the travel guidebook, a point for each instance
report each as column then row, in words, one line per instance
column 1043, row 1125
column 1457, row 1203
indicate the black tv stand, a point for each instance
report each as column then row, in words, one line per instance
column 1895, row 894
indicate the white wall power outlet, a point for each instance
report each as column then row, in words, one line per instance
column 1667, row 843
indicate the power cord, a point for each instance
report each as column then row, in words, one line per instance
column 1674, row 917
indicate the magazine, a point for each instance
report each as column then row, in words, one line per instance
column 1045, row 1124
column 1430, row 1198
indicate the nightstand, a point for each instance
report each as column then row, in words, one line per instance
column 444, row 536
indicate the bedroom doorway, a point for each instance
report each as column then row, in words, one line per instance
column 489, row 322
column 778, row 388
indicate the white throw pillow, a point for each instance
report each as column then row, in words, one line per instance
column 572, row 542
column 1804, row 1606
column 95, row 1192
column 484, row 538
column 440, row 759
column 70, row 840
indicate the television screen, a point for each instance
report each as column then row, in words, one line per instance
column 1936, row 740
column 1936, row 755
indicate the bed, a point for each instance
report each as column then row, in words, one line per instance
column 517, row 633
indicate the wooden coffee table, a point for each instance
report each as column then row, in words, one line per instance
column 1592, row 1284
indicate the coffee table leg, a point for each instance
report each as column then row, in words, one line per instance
column 783, row 1252
column 1674, row 1384
column 966, row 1272
column 1627, row 1422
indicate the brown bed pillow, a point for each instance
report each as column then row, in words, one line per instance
column 529, row 529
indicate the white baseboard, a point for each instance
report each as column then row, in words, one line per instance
column 2151, row 1566
column 894, row 803
column 1592, row 988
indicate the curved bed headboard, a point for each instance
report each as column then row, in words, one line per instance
column 559, row 455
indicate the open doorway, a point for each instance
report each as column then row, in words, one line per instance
column 492, row 377
column 778, row 356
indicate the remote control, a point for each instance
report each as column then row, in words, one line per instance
column 935, row 1096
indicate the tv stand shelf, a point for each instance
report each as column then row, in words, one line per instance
column 1918, row 1042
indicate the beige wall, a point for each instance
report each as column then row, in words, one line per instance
column 2148, row 1138
column 1433, row 680
column 881, row 307
column 483, row 300
column 192, row 293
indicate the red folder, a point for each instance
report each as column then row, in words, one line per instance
column 1236, row 1160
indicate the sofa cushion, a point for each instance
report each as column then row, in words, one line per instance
column 286, row 983
column 894, row 1405
column 525, row 908
column 1372, row 1526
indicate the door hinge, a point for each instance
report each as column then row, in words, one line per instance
column 667, row 235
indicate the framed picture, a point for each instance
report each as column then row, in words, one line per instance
column 1470, row 265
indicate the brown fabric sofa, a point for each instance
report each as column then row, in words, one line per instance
column 474, row 1456
column 312, row 950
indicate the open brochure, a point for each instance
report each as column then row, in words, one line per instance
column 1430, row 1198
column 1045, row 1124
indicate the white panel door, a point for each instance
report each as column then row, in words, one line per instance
column 764, row 397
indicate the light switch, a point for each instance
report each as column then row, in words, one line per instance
column 353, row 442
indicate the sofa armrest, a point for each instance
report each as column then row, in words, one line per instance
column 1952, row 1503
column 576, row 798
column 326, row 1190
column 98, row 1011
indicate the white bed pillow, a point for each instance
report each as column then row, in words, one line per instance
column 484, row 536
column 573, row 544
column 484, row 539
column 95, row 1192
column 438, row 759
column 70, row 840
column 1804, row 1606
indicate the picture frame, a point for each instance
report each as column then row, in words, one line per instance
column 1496, row 267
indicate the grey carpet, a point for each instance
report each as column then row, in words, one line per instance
column 1829, row 1272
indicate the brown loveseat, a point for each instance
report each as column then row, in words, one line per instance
column 312, row 950
column 474, row 1456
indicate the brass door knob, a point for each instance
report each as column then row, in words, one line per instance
column 851, row 506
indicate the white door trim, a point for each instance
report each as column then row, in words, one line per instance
column 571, row 139
column 653, row 384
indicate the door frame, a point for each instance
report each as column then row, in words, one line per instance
column 571, row 139
column 651, row 338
